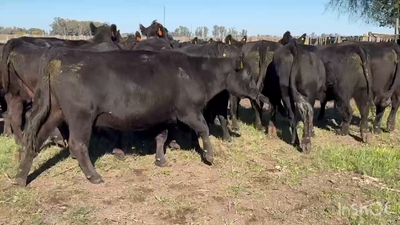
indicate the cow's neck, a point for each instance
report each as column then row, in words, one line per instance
column 219, row 70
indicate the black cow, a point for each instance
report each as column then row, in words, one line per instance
column 259, row 55
column 7, row 127
column 298, row 79
column 385, row 73
column 217, row 106
column 129, row 42
column 20, row 67
column 348, row 75
column 156, row 30
column 153, row 88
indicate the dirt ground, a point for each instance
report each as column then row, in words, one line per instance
column 255, row 180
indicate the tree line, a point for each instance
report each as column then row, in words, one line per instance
column 21, row 31
column 218, row 32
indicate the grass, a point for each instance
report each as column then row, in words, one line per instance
column 255, row 180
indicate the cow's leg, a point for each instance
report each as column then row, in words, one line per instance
column 78, row 143
column 258, row 114
column 7, row 123
column 15, row 113
column 306, row 114
column 391, row 122
column 197, row 122
column 346, row 112
column 234, row 101
column 224, row 126
column 28, row 154
column 361, row 99
column 272, row 124
column 378, row 118
column 173, row 132
column 160, row 141
column 321, row 115
column 64, row 131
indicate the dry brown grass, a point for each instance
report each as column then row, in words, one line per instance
column 255, row 180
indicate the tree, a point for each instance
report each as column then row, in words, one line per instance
column 205, row 32
column 215, row 31
column 61, row 26
column 222, row 32
column 199, row 32
column 243, row 33
column 232, row 31
column 379, row 12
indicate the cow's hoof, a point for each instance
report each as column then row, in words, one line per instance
column 390, row 126
column 118, row 153
column 96, row 179
column 19, row 182
column 235, row 128
column 208, row 157
column 160, row 162
column 306, row 145
column 365, row 137
column 259, row 127
column 217, row 122
column 312, row 133
column 272, row 131
column 227, row 138
column 377, row 130
column 174, row 146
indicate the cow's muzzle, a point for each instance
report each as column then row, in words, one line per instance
column 265, row 100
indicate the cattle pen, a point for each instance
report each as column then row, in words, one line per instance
column 255, row 178
column 318, row 40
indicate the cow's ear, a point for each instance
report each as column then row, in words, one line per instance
column 303, row 38
column 113, row 30
column 142, row 29
column 118, row 37
column 93, row 28
column 286, row 38
column 138, row 36
column 244, row 39
column 159, row 31
column 228, row 40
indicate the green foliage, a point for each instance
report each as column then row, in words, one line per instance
column 182, row 31
column 61, row 26
column 380, row 12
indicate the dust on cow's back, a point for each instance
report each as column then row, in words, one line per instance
column 53, row 69
column 390, row 56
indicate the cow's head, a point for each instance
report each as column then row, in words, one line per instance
column 154, row 30
column 229, row 40
column 210, row 40
column 287, row 37
column 195, row 41
column 244, row 39
column 138, row 37
column 240, row 82
column 105, row 33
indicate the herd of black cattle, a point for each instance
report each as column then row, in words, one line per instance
column 134, row 84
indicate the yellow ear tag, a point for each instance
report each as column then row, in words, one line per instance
column 224, row 55
column 229, row 42
column 302, row 39
column 241, row 65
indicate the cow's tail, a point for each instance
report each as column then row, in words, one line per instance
column 6, row 60
column 365, row 62
column 386, row 100
column 42, row 105
column 303, row 106
column 263, row 51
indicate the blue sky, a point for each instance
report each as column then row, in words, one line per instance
column 272, row 17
